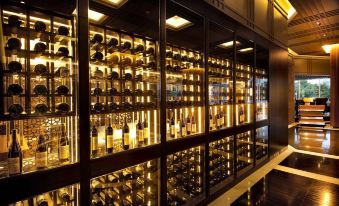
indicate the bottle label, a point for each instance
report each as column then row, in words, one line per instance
column 126, row 138
column 183, row 131
column 146, row 133
column 94, row 143
column 140, row 134
column 219, row 122
column 109, row 141
column 194, row 128
column 241, row 118
column 41, row 159
column 211, row 123
column 189, row 127
column 172, row 130
column 64, row 152
column 14, row 165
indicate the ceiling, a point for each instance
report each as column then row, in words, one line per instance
column 316, row 24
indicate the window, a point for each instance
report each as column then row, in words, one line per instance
column 312, row 87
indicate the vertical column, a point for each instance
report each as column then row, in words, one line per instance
column 334, row 85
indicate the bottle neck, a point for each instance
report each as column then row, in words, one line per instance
column 14, row 140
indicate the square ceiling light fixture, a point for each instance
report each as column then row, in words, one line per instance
column 95, row 16
column 245, row 50
column 116, row 4
column 177, row 23
column 228, row 44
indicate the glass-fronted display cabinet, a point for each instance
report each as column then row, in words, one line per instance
column 220, row 77
column 135, row 185
column 68, row 195
column 38, row 89
column 244, row 81
column 159, row 82
column 125, row 76
column 184, row 72
column 221, row 162
column 261, row 83
column 244, row 151
column 185, row 176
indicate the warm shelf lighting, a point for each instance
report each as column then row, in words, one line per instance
column 286, row 7
column 327, row 48
column 95, row 16
column 116, row 4
column 246, row 50
column 177, row 23
column 228, row 44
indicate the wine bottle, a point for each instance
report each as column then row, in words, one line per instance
column 94, row 141
column 218, row 120
column 194, row 125
column 113, row 75
column 15, row 66
column 113, row 106
column 126, row 62
column 63, row 107
column 62, row 72
column 41, row 200
column 241, row 115
column 113, row 91
column 97, row 38
column 127, row 76
column 40, row 89
column 62, row 51
column 150, row 51
column 109, row 138
column 98, row 106
column 97, row 201
column 64, row 152
column 151, row 65
column 113, row 42
column 41, row 109
column 41, row 153
column 63, row 31
column 98, row 73
column 139, row 48
column 211, row 120
column 140, row 133
column 97, row 56
column 62, row 90
column 14, row 89
column 40, row 69
column 169, row 54
column 112, row 178
column 172, row 126
column 146, row 133
column 40, row 26
column 14, row 44
column 14, row 156
column 15, row 109
column 113, row 59
column 40, row 47
column 183, row 131
column 125, row 139
column 169, row 68
column 177, row 57
column 64, row 195
column 188, row 125
column 14, row 21
column 125, row 46
column 138, row 63
column 97, row 91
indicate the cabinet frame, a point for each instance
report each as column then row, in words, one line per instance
column 26, row 185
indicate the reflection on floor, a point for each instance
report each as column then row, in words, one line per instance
column 311, row 163
column 281, row 188
column 315, row 140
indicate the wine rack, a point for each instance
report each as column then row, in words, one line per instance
column 124, row 93
column 244, row 152
column 261, row 85
column 63, row 196
column 38, row 91
column 185, row 177
column 220, row 93
column 221, row 167
column 261, row 143
column 184, row 83
column 136, row 185
column 244, row 94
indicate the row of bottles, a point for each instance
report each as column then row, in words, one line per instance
column 136, row 185
column 244, row 151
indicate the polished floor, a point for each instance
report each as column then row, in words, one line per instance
column 305, row 174
column 282, row 188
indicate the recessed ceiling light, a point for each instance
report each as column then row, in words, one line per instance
column 113, row 3
column 246, row 50
column 177, row 23
column 228, row 44
column 95, row 16
column 327, row 48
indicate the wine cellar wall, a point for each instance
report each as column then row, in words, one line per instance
column 213, row 92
